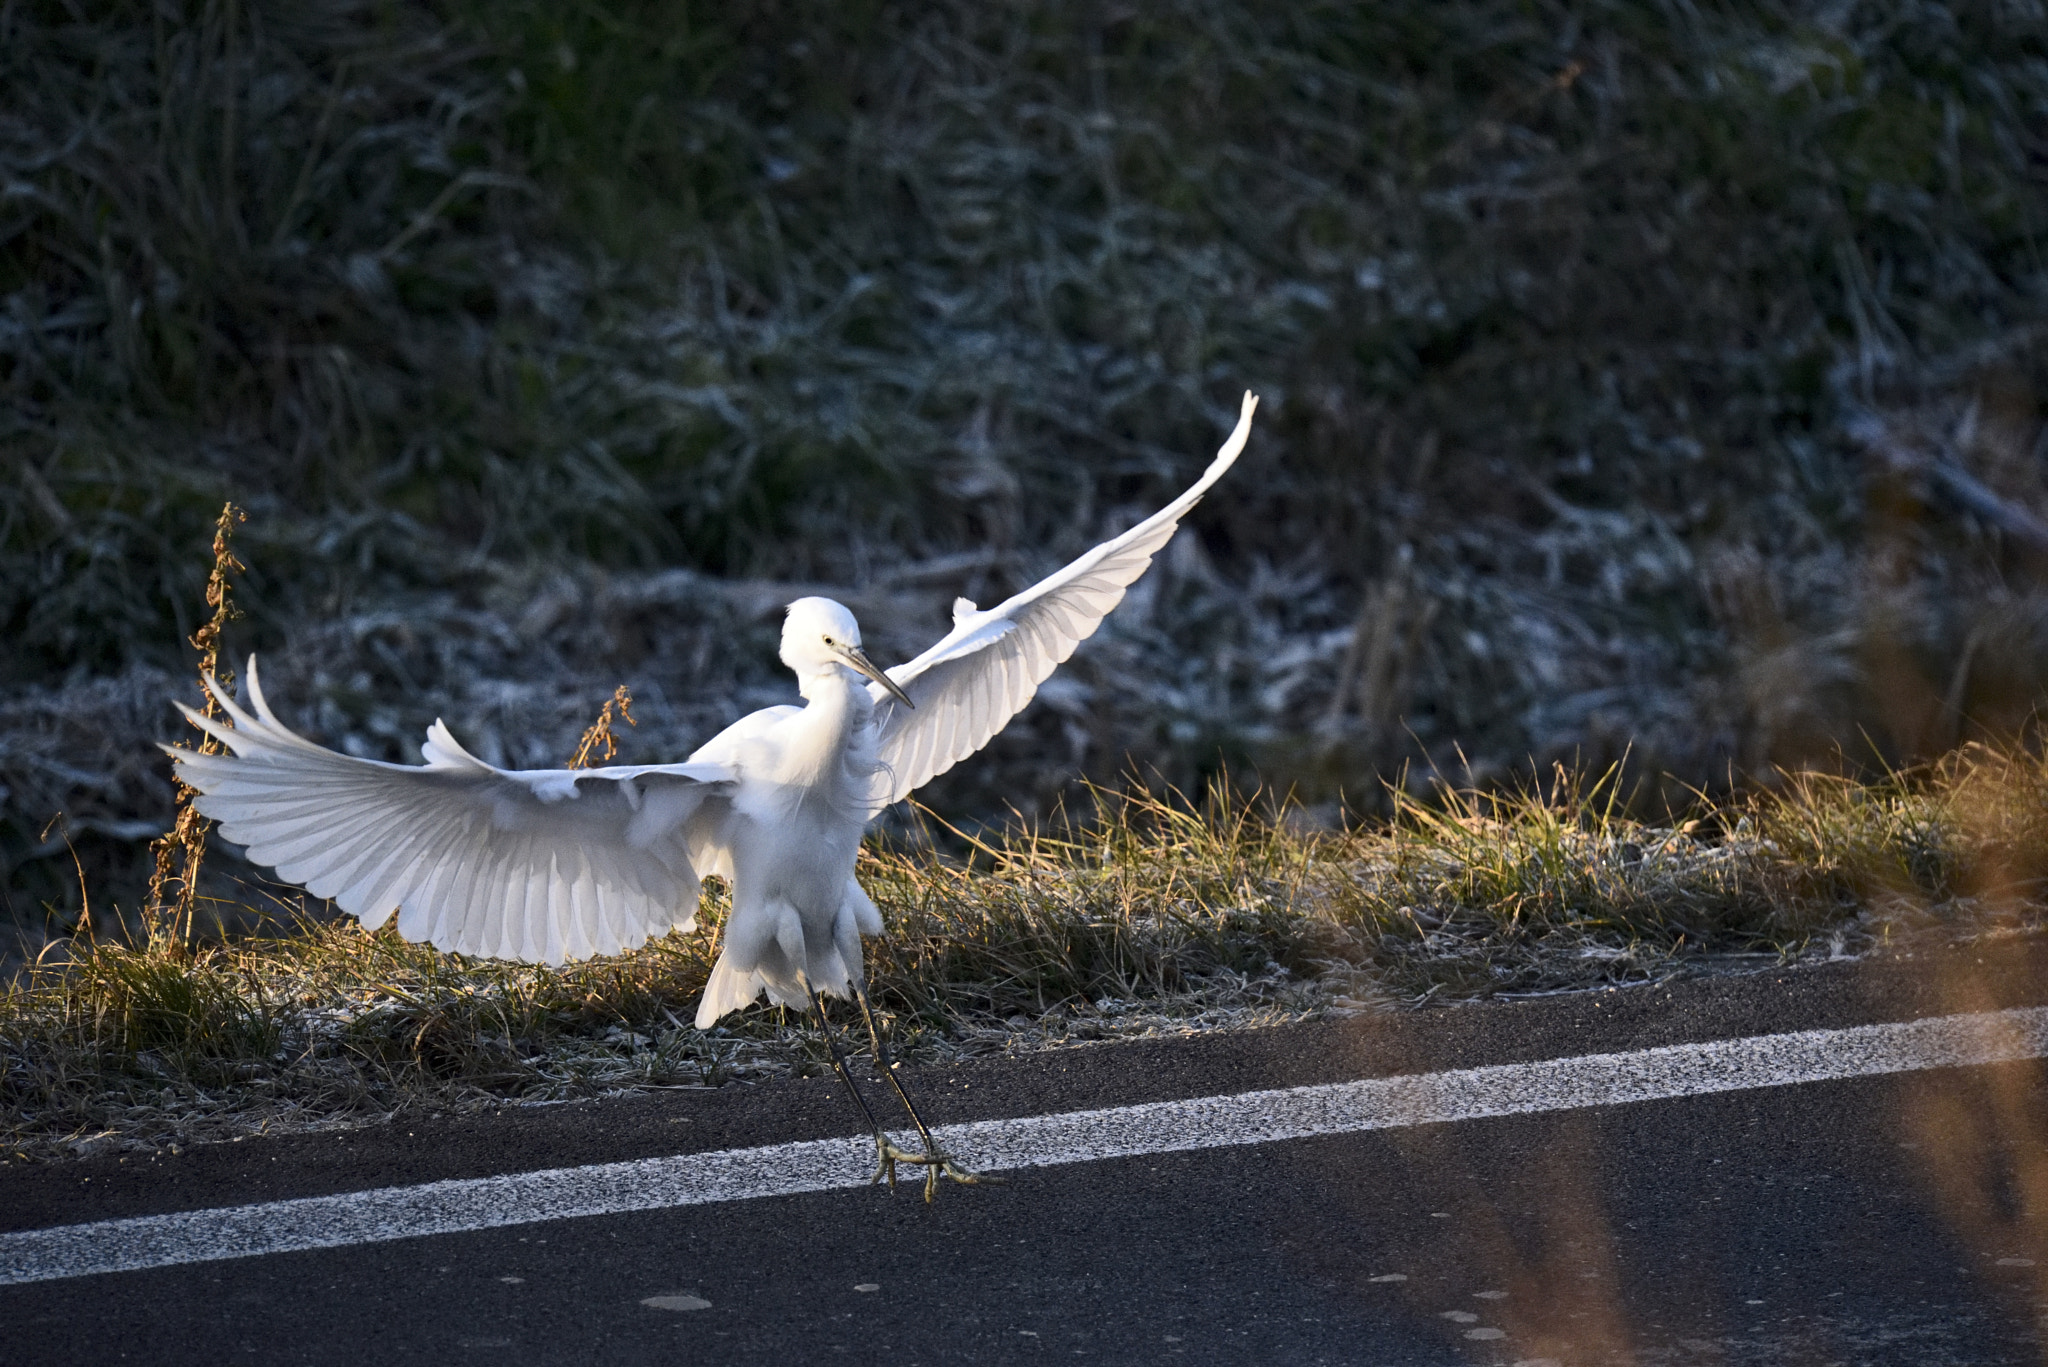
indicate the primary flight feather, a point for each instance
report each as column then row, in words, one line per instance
column 547, row 866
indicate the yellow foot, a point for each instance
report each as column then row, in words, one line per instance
column 934, row 1163
column 887, row 1156
column 937, row 1163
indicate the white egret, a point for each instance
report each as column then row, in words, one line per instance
column 552, row 865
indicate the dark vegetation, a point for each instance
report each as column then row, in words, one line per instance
column 1652, row 375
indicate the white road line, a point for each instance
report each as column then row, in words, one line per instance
column 454, row 1207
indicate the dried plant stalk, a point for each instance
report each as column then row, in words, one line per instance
column 174, row 893
column 600, row 732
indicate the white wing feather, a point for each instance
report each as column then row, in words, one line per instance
column 543, row 865
column 968, row 686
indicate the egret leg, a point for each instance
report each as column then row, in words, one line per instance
column 887, row 1154
column 935, row 1159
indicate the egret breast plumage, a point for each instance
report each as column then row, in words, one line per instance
column 549, row 866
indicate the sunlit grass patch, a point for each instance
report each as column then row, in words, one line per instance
column 1147, row 913
column 318, row 1022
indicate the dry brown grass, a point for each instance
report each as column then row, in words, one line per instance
column 1148, row 914
column 180, row 853
column 599, row 745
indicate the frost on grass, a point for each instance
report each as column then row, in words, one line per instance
column 1148, row 916
column 1658, row 376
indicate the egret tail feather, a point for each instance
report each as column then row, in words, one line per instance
column 729, row 990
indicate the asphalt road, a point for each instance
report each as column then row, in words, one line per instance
column 1898, row 1219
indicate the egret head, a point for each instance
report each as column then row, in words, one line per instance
column 819, row 635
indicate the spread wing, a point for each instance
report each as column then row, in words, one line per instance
column 541, row 865
column 968, row 686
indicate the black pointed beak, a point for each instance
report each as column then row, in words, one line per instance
column 855, row 657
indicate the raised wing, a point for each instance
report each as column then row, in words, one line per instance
column 968, row 686
column 542, row 865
